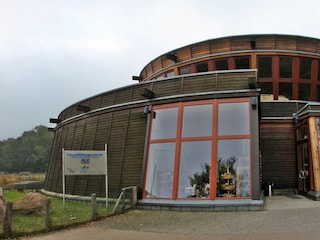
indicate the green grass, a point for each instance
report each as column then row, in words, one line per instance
column 74, row 213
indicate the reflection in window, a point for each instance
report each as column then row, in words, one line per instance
column 159, row 180
column 164, row 124
column 197, row 120
column 194, row 176
column 242, row 63
column 221, row 64
column 285, row 67
column 233, row 168
column 305, row 68
column 265, row 67
column 233, row 118
column 202, row 67
column 185, row 70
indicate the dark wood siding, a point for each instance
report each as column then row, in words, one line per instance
column 278, row 153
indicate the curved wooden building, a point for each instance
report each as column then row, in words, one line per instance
column 212, row 121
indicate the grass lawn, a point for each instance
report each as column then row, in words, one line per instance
column 73, row 213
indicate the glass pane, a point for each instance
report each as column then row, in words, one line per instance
column 159, row 178
column 265, row 67
column 242, row 63
column 164, row 123
column 305, row 68
column 170, row 73
column 194, row 177
column 202, row 67
column 266, row 87
column 185, row 69
column 285, row 90
column 197, row 120
column 305, row 92
column 233, row 168
column 233, row 118
column 285, row 67
column 319, row 71
column 221, row 64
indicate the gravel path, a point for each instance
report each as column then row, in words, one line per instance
column 283, row 219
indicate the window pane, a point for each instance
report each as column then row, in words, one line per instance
column 159, row 178
column 202, row 67
column 305, row 68
column 185, row 69
column 195, row 164
column 221, row 64
column 233, row 118
column 197, row 120
column 242, row 63
column 266, row 87
column 285, row 67
column 233, row 168
column 265, row 67
column 285, row 90
column 170, row 73
column 305, row 92
column 164, row 123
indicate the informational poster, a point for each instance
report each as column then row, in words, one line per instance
column 85, row 162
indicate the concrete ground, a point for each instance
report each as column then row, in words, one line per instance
column 285, row 217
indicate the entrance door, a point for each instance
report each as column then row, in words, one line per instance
column 303, row 166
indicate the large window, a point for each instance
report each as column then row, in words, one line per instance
column 187, row 159
column 221, row 64
column 305, row 68
column 242, row 63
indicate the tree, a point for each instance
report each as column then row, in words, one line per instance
column 29, row 152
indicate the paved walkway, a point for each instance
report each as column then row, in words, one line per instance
column 286, row 217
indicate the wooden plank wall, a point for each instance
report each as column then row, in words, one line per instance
column 278, row 153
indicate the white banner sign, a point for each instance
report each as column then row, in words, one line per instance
column 85, row 162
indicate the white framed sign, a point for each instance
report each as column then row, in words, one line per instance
column 84, row 162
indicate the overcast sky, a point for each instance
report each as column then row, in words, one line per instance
column 54, row 53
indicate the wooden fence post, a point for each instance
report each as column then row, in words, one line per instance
column 7, row 227
column 48, row 215
column 94, row 207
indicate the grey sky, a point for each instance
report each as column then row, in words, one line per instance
column 54, row 53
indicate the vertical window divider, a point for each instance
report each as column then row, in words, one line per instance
column 213, row 174
column 178, row 152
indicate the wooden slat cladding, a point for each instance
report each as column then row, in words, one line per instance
column 306, row 45
column 108, row 99
column 278, row 154
column 133, row 153
column 232, row 82
column 89, row 133
column 278, row 109
column 183, row 54
column 265, row 42
column 167, row 88
column 95, row 102
column 241, row 43
column 199, row 84
column 123, row 95
column 286, row 43
column 220, row 45
column 201, row 49
column 157, row 64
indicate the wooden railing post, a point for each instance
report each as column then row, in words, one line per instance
column 94, row 207
column 7, row 227
column 48, row 215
